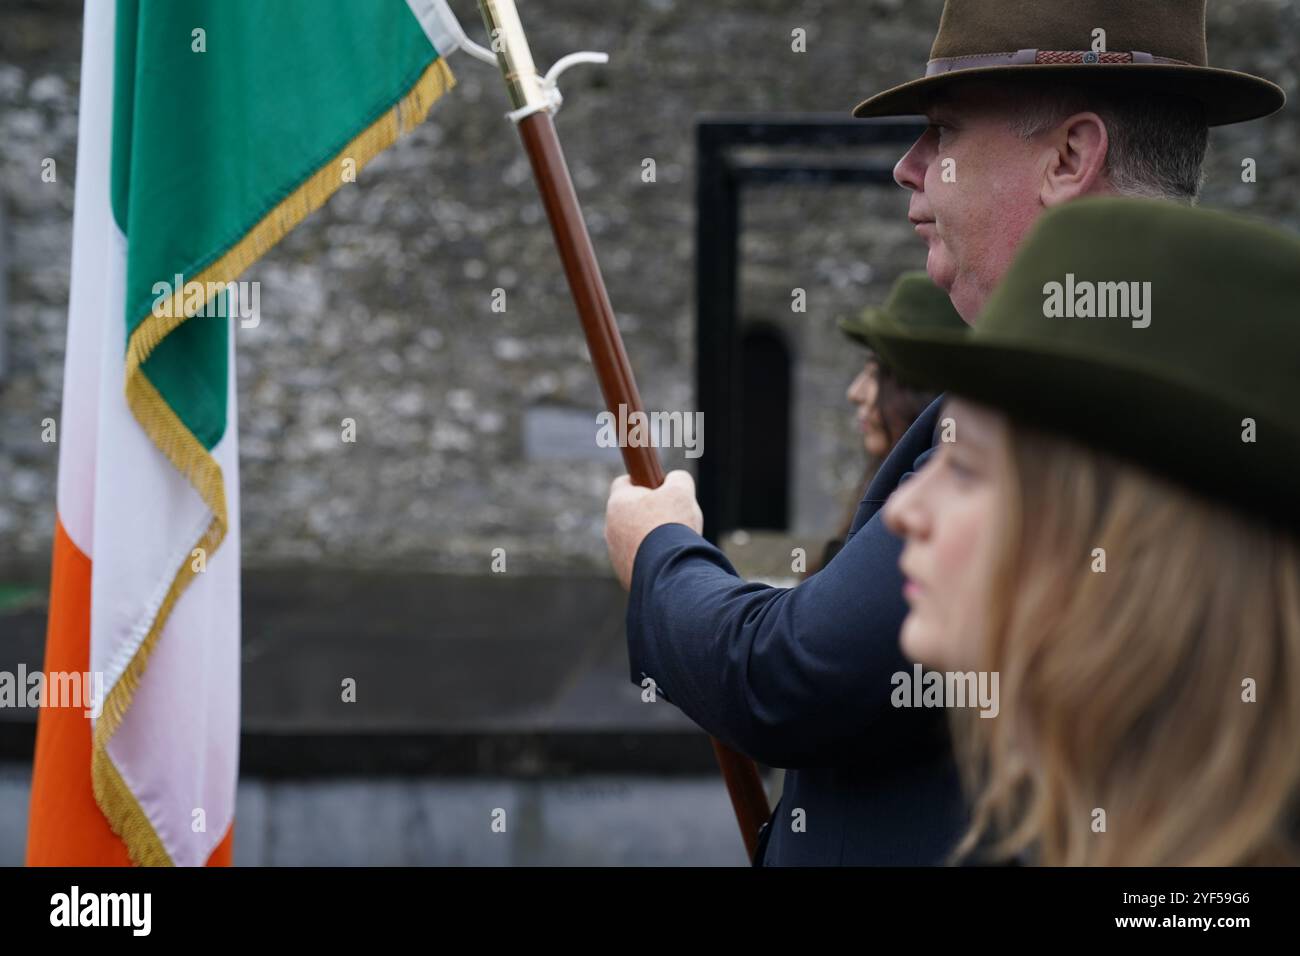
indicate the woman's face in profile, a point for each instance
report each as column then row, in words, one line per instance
column 864, row 392
column 947, row 515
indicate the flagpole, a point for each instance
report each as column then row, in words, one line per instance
column 613, row 371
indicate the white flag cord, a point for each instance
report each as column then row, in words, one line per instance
column 459, row 38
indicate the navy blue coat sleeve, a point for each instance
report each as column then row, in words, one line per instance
column 789, row 676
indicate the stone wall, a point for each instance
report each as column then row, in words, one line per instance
column 378, row 308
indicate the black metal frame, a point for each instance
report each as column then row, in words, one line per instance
column 720, row 174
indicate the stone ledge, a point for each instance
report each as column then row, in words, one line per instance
column 496, row 674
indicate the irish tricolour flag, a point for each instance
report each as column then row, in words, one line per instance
column 208, row 130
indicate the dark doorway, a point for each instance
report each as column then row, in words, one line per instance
column 764, row 454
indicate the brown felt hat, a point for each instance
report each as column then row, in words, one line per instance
column 1150, row 45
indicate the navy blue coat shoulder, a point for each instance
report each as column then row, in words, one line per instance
column 800, row 678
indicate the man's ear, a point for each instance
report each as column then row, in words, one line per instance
column 1076, row 164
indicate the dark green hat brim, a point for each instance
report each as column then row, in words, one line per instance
column 1228, row 96
column 1170, row 387
column 860, row 329
column 1156, row 421
column 914, row 304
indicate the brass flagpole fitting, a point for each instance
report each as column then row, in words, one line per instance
column 528, row 92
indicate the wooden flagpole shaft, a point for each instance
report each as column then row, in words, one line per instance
column 613, row 371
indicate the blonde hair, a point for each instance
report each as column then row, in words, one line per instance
column 1123, row 690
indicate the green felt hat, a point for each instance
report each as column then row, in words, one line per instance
column 914, row 302
column 1164, row 373
column 1150, row 45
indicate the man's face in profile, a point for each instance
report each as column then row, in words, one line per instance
column 976, row 189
